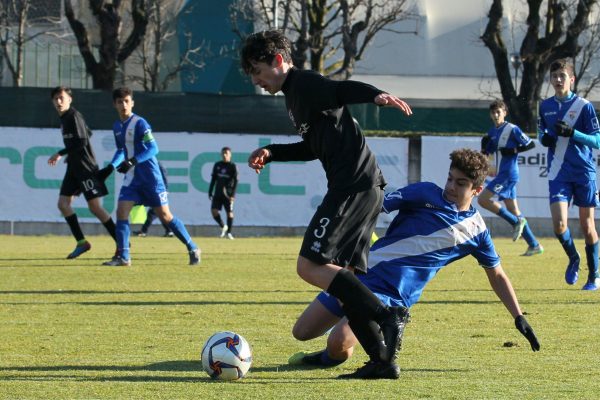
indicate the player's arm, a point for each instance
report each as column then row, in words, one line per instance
column 505, row 292
column 546, row 138
column 406, row 197
column 77, row 143
column 234, row 181
column 279, row 152
column 506, row 151
column 591, row 130
column 354, row 92
column 213, row 180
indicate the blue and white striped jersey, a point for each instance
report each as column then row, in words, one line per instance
column 508, row 136
column 133, row 138
column 569, row 161
column 427, row 234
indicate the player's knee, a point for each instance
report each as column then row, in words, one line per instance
column 300, row 333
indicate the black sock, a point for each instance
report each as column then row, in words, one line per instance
column 111, row 228
column 229, row 224
column 356, row 296
column 75, row 228
column 219, row 220
column 370, row 338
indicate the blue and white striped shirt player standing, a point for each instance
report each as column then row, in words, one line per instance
column 568, row 126
column 143, row 182
column 428, row 233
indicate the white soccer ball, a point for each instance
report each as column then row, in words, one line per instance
column 226, row 356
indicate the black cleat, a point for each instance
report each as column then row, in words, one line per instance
column 392, row 328
column 374, row 370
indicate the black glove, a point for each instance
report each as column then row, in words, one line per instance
column 525, row 329
column 126, row 165
column 562, row 129
column 105, row 172
column 548, row 141
column 505, row 151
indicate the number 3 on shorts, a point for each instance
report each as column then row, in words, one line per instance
column 320, row 232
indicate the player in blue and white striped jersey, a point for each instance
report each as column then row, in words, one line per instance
column 568, row 126
column 143, row 183
column 505, row 140
column 433, row 228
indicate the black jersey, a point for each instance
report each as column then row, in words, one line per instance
column 317, row 107
column 78, row 148
column 225, row 177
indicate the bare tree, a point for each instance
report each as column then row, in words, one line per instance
column 111, row 51
column 547, row 38
column 156, row 72
column 328, row 36
column 17, row 21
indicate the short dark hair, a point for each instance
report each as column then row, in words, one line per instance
column 263, row 47
column 121, row 93
column 224, row 149
column 562, row 63
column 498, row 104
column 60, row 89
column 471, row 163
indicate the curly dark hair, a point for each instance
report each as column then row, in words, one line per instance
column 263, row 47
column 471, row 163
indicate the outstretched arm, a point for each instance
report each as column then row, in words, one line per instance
column 505, row 292
column 385, row 99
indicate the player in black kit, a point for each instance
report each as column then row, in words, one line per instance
column 336, row 242
column 81, row 175
column 224, row 181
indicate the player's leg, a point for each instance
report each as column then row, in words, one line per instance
column 534, row 246
column 228, row 205
column 559, row 212
column 341, row 230
column 586, row 198
column 178, row 228
column 123, row 233
column 95, row 206
column 215, row 208
column 64, row 205
column 498, row 188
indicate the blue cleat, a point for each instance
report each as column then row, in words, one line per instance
column 572, row 272
column 592, row 284
column 79, row 250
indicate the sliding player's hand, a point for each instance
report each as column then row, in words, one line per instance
column 385, row 99
column 525, row 329
column 258, row 159
column 105, row 172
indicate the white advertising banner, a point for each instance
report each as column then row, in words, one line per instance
column 284, row 194
column 532, row 189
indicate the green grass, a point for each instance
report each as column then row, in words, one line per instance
column 74, row 329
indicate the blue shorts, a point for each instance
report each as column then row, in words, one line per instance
column 503, row 188
column 373, row 282
column 583, row 194
column 147, row 196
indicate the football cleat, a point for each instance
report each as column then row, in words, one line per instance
column 230, row 236
column 79, row 250
column 518, row 229
column 140, row 233
column 572, row 272
column 532, row 251
column 117, row 262
column 169, row 234
column 224, row 230
column 194, row 256
column 592, row 284
column 392, row 328
column 374, row 370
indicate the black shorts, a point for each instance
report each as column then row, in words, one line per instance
column 222, row 201
column 88, row 184
column 340, row 231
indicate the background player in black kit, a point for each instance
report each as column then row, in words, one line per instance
column 336, row 242
column 81, row 175
column 224, row 180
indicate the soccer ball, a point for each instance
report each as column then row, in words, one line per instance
column 226, row 356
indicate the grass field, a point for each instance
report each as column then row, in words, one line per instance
column 75, row 329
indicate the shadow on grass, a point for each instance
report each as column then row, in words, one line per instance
column 38, row 292
column 171, row 366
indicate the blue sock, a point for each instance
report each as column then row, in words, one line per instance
column 528, row 235
column 508, row 216
column 328, row 361
column 123, row 238
column 182, row 234
column 591, row 252
column 567, row 243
